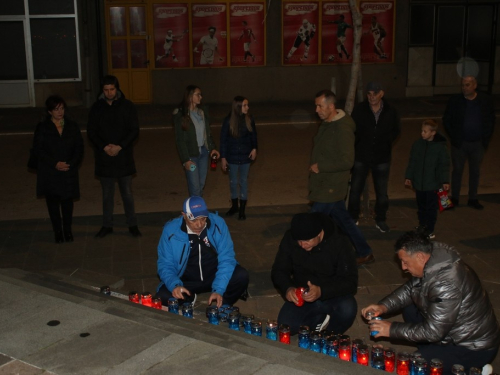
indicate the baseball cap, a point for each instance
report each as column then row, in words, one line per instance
column 195, row 207
column 305, row 226
column 374, row 86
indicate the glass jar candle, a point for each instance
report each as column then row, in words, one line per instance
column 475, row 371
column 304, row 337
column 106, row 290
column 284, row 334
column 331, row 347
column 315, row 342
column 377, row 353
column 378, row 364
column 363, row 355
column 436, row 367
column 457, row 369
column 272, row 330
column 420, row 366
column 233, row 308
column 389, row 359
column 222, row 317
column 413, row 358
column 325, row 335
column 345, row 338
column 134, row 297
column 213, row 315
column 373, row 333
column 157, row 303
column 354, row 348
column 173, row 305
column 233, row 320
column 402, row 363
column 256, row 328
column 147, row 299
column 187, row 310
column 247, row 323
column 344, row 351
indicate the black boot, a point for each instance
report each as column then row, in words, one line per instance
column 59, row 236
column 242, row 210
column 234, row 207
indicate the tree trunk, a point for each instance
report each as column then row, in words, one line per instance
column 356, row 57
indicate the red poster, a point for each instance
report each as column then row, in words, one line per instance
column 209, row 35
column 247, row 34
column 336, row 34
column 378, row 31
column 171, row 29
column 300, row 42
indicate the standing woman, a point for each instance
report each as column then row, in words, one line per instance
column 58, row 146
column 238, row 147
column 194, row 139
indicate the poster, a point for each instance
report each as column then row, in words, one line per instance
column 337, row 38
column 300, row 39
column 377, row 41
column 209, row 35
column 247, row 34
column 171, row 35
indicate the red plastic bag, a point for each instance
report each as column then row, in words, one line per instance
column 444, row 200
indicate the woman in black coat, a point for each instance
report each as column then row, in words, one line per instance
column 58, row 146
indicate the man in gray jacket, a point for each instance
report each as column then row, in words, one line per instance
column 447, row 312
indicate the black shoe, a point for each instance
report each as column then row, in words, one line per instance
column 474, row 203
column 134, row 231
column 103, row 232
column 68, row 236
column 454, row 201
column 365, row 260
column 234, row 207
column 242, row 215
column 59, row 237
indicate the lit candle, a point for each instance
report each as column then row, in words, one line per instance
column 256, row 328
column 457, row 369
column 234, row 320
column 389, row 359
column 157, row 303
column 187, row 310
column 377, row 353
column 272, row 330
column 436, row 367
column 284, row 334
column 420, row 366
column 304, row 337
column 173, row 305
column 315, row 342
column 344, row 351
column 213, row 315
column 355, row 344
column 363, row 355
column 134, row 297
column 147, row 299
column 413, row 358
column 106, row 290
column 402, row 363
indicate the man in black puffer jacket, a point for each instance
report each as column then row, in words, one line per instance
column 446, row 310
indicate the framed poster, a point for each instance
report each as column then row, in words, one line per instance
column 300, row 42
column 377, row 42
column 209, row 35
column 171, row 39
column 247, row 34
column 337, row 38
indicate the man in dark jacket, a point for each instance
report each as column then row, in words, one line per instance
column 377, row 127
column 315, row 255
column 112, row 127
column 446, row 310
column 468, row 120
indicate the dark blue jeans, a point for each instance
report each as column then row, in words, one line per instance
column 450, row 354
column 342, row 311
column 380, row 175
column 339, row 214
column 472, row 152
column 428, row 205
column 108, row 199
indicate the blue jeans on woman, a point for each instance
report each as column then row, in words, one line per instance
column 196, row 179
column 238, row 175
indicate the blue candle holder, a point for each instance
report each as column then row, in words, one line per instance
column 304, row 337
column 223, row 317
column 256, row 328
column 173, row 305
column 373, row 333
column 213, row 315
column 315, row 342
column 378, row 364
column 354, row 347
column 272, row 330
column 247, row 323
column 187, row 310
column 234, row 321
column 413, row 357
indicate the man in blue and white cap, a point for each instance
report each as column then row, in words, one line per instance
column 196, row 255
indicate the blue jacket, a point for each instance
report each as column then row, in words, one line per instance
column 174, row 249
column 237, row 150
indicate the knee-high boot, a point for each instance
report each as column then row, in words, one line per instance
column 234, row 207
column 242, row 215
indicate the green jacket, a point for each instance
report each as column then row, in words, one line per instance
column 333, row 150
column 429, row 165
column 186, row 142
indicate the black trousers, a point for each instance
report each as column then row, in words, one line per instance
column 237, row 285
column 428, row 206
column 56, row 207
column 450, row 354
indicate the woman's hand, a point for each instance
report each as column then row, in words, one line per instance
column 223, row 164
column 215, row 152
column 253, row 154
column 187, row 165
column 62, row 166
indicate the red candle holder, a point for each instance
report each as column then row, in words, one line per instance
column 363, row 356
column 436, row 367
column 403, row 364
column 147, row 299
column 284, row 334
column 345, row 352
column 389, row 359
column 134, row 297
column 157, row 303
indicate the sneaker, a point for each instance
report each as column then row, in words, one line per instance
column 321, row 326
column 134, row 231
column 383, row 227
column 474, row 203
column 430, row 235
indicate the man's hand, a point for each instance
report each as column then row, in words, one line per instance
column 291, row 296
column 377, row 310
column 313, row 294
column 62, row 166
column 215, row 297
column 177, row 292
column 383, row 327
column 314, row 168
column 112, row 150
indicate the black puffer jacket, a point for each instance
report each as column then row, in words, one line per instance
column 455, row 307
column 237, row 150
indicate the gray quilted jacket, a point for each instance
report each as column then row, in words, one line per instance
column 455, row 307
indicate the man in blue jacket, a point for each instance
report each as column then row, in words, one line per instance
column 196, row 255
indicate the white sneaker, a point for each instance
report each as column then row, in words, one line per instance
column 487, row 369
column 321, row 326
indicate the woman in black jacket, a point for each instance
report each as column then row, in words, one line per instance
column 58, row 146
column 238, row 148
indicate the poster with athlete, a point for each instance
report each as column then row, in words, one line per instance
column 171, row 35
column 377, row 41
column 209, row 35
column 247, row 34
column 337, row 37
column 300, row 42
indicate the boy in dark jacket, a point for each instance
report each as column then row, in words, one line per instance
column 428, row 170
